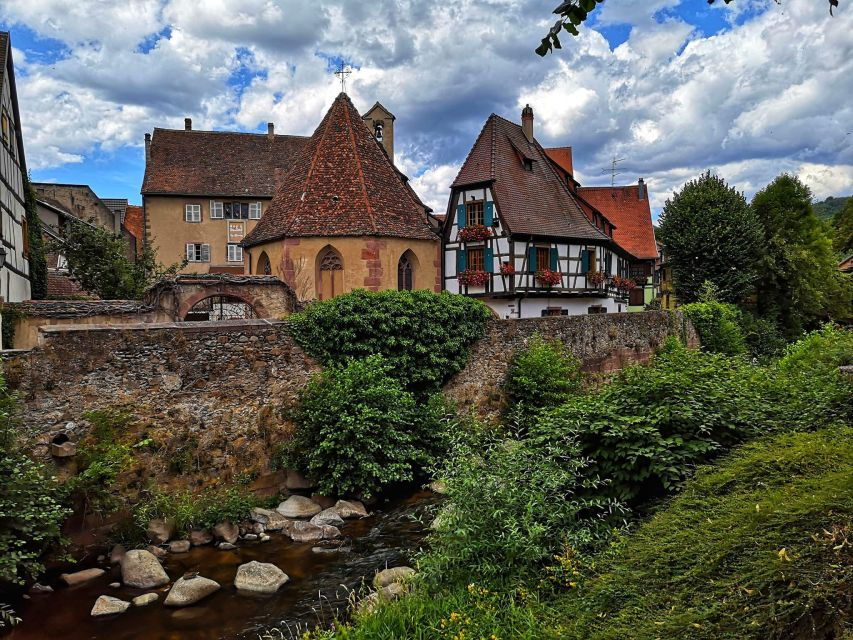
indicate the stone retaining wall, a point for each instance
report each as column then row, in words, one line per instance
column 215, row 397
column 603, row 342
column 212, row 396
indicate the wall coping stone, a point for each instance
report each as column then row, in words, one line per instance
column 194, row 327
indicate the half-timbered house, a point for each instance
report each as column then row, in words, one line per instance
column 516, row 236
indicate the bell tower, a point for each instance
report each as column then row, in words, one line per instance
column 380, row 121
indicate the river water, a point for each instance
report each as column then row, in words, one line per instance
column 317, row 592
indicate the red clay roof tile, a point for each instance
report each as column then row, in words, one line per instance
column 342, row 184
column 633, row 217
column 535, row 202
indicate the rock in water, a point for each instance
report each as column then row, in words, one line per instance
column 307, row 532
column 157, row 552
column 271, row 520
column 391, row 576
column 145, row 599
column 160, row 530
column 141, row 569
column 227, row 532
column 179, row 546
column 117, row 554
column 200, row 537
column 226, row 546
column 328, row 516
column 79, row 577
column 348, row 509
column 186, row 592
column 259, row 577
column 107, row 605
column 299, row 507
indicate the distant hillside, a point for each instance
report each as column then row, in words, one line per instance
column 829, row 207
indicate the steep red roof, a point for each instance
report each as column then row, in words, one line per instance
column 342, row 184
column 631, row 215
column 562, row 156
column 133, row 223
column 217, row 163
column 536, row 201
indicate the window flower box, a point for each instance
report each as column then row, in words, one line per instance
column 549, row 278
column 473, row 278
column 507, row 269
column 623, row 284
column 595, row 279
column 474, row 233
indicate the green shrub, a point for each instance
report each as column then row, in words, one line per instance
column 190, row 510
column 31, row 510
column 424, row 336
column 511, row 504
column 647, row 429
column 762, row 336
column 359, row 429
column 101, row 458
column 718, row 325
column 543, row 374
column 756, row 547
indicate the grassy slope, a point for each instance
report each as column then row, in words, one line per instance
column 709, row 565
column 747, row 551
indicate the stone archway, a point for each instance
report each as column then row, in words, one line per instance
column 218, row 307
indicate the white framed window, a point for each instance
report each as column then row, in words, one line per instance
column 217, row 211
column 198, row 252
column 235, row 253
column 254, row 211
column 192, row 213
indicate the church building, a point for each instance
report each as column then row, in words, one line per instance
column 343, row 217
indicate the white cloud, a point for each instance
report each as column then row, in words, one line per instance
column 762, row 97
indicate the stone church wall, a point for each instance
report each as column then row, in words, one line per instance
column 215, row 398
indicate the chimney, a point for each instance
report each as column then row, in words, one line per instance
column 527, row 122
column 147, row 147
column 271, row 130
column 641, row 189
column 188, row 124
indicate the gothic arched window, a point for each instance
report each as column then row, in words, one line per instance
column 406, row 272
column 330, row 274
column 264, row 267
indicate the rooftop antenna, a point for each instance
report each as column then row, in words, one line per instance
column 342, row 73
column 614, row 164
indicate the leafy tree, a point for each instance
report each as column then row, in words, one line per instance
column 31, row 512
column 843, row 223
column 799, row 281
column 36, row 257
column 99, row 260
column 711, row 235
column 424, row 336
column 359, row 429
column 573, row 13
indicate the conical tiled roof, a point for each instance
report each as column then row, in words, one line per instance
column 342, row 184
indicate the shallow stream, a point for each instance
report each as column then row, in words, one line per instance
column 317, row 592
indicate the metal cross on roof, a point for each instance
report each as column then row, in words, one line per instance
column 342, row 73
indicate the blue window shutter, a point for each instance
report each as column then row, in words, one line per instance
column 461, row 260
column 489, row 258
column 460, row 215
column 489, row 214
column 555, row 264
column 584, row 261
column 531, row 258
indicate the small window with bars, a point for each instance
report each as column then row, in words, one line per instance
column 198, row 252
column 254, row 211
column 192, row 213
column 235, row 253
column 217, row 210
column 474, row 213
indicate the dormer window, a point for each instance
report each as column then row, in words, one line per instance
column 528, row 164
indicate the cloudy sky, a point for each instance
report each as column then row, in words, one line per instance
column 673, row 87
